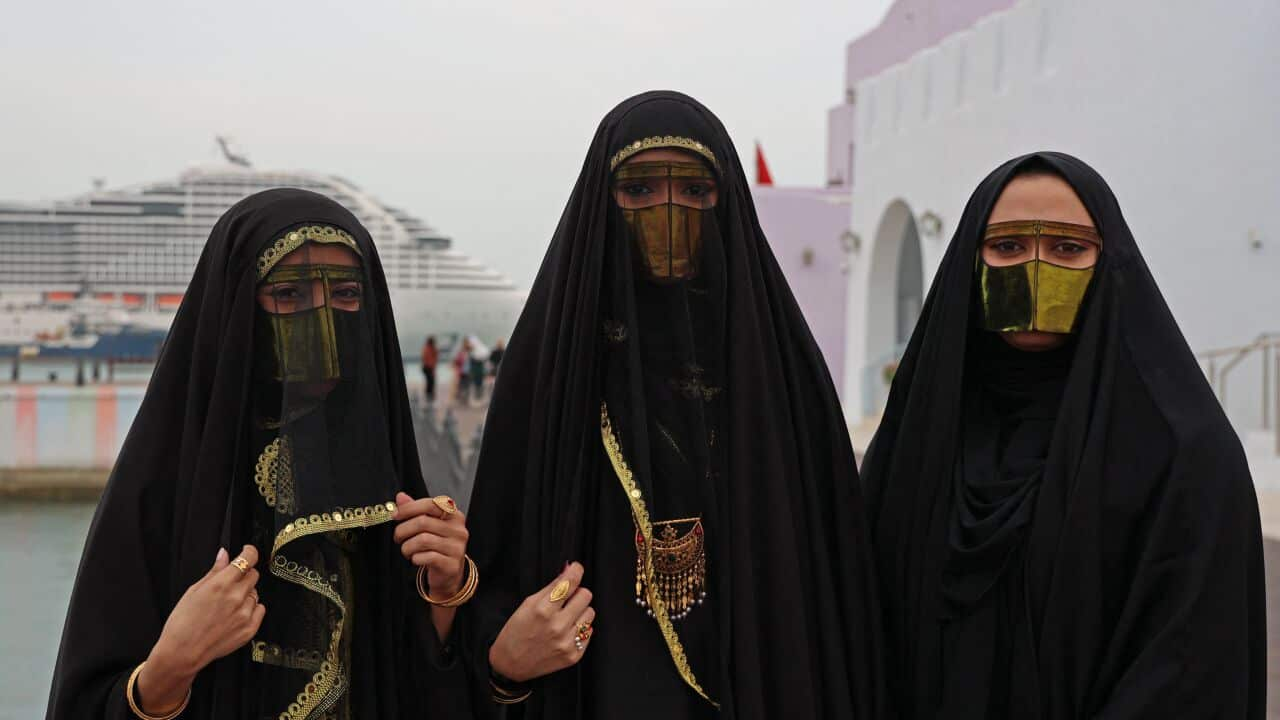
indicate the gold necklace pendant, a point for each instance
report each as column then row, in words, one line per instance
column 679, row 566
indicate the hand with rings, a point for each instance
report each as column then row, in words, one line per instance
column 584, row 635
column 550, row 630
column 432, row 534
column 217, row 615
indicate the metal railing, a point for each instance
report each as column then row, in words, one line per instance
column 1218, row 365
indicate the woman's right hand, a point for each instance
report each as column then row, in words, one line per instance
column 216, row 616
column 538, row 638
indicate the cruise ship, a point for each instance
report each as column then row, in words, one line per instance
column 117, row 261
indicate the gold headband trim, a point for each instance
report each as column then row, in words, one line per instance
column 292, row 240
column 1036, row 228
column 662, row 141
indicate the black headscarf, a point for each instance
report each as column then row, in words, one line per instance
column 1011, row 404
column 791, row 585
column 1129, row 522
column 189, row 479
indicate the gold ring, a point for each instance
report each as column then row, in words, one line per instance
column 241, row 564
column 584, row 632
column 559, row 592
column 446, row 505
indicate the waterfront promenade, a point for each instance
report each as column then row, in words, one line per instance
column 58, row 441
column 45, row 513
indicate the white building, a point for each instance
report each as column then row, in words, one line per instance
column 1176, row 103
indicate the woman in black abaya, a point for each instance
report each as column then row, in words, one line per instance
column 276, row 424
column 1065, row 525
column 666, row 511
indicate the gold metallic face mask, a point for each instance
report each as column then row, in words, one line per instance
column 664, row 206
column 309, row 342
column 1036, row 294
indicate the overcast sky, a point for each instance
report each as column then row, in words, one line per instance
column 473, row 115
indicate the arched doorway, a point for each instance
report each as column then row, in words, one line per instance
column 910, row 295
column 895, row 294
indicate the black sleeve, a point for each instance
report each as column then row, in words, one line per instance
column 1191, row 641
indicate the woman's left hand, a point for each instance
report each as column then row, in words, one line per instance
column 432, row 537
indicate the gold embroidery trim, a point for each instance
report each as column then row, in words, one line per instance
column 692, row 385
column 273, row 474
column 292, row 240
column 614, row 332
column 662, row 141
column 330, row 681
column 340, row 519
column 269, row 653
column 640, row 513
column 672, row 442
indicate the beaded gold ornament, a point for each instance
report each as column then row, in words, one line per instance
column 662, row 141
column 679, row 566
column 324, row 234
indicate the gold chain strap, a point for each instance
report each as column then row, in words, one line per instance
column 640, row 513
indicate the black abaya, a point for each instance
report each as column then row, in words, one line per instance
column 1011, row 404
column 184, row 485
column 1123, row 578
column 790, row 627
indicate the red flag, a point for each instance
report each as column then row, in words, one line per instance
column 762, row 168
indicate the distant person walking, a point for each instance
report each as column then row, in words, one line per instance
column 430, row 356
column 478, row 358
column 460, row 370
column 495, row 357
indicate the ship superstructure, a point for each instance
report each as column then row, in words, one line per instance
column 134, row 249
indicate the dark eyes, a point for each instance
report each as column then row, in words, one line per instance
column 637, row 189
column 348, row 292
column 1069, row 248
column 292, row 293
column 1012, row 247
column 697, row 190
column 285, row 293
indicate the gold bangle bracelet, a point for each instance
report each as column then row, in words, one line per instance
column 512, row 701
column 459, row 598
column 503, row 696
column 133, row 704
column 462, row 596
